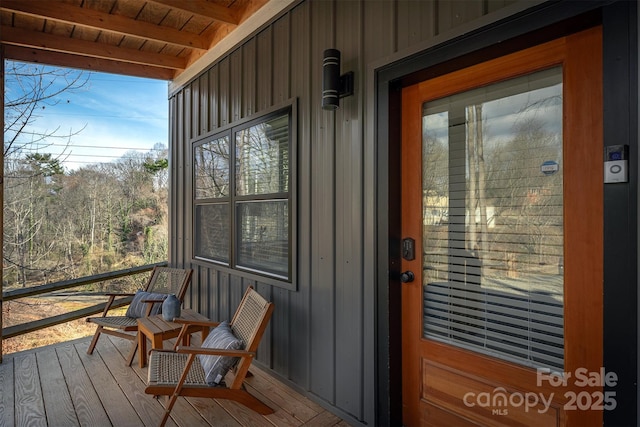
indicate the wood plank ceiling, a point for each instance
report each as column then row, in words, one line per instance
column 145, row 38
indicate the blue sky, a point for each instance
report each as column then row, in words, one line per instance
column 118, row 114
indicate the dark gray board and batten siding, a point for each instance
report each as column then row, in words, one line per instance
column 322, row 334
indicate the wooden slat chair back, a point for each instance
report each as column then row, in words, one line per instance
column 163, row 280
column 179, row 373
column 249, row 323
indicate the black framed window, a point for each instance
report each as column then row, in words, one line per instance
column 242, row 196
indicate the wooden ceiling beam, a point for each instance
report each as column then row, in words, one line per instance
column 45, row 57
column 97, row 20
column 202, row 8
column 25, row 38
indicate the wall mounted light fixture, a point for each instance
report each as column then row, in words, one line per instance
column 334, row 85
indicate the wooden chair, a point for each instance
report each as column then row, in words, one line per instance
column 163, row 280
column 180, row 373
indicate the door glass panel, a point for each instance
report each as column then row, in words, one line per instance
column 493, row 220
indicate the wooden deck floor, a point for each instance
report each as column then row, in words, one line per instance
column 62, row 386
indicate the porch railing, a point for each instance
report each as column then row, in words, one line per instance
column 23, row 328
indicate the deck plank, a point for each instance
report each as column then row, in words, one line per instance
column 7, row 414
column 118, row 407
column 324, row 419
column 182, row 413
column 285, row 397
column 244, row 415
column 57, row 400
column 149, row 410
column 29, row 406
column 102, row 391
column 211, row 411
column 85, row 399
column 280, row 417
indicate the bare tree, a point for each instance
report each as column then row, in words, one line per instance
column 35, row 180
column 29, row 89
column 64, row 224
column 30, row 176
column 528, row 203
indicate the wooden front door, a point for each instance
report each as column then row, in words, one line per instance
column 502, row 205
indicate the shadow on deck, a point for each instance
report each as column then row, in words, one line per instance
column 60, row 385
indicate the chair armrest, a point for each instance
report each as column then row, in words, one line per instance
column 215, row 351
column 186, row 322
column 119, row 294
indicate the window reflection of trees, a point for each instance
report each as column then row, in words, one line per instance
column 489, row 182
column 262, row 176
column 212, row 169
column 262, row 158
column 248, row 177
column 493, row 219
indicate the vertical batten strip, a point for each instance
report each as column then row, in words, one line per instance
column 1, row 196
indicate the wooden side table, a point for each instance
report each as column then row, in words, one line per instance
column 157, row 330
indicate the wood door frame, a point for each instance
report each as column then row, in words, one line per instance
column 540, row 24
column 583, row 234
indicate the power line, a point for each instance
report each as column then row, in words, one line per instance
column 45, row 145
column 96, row 156
column 49, row 114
